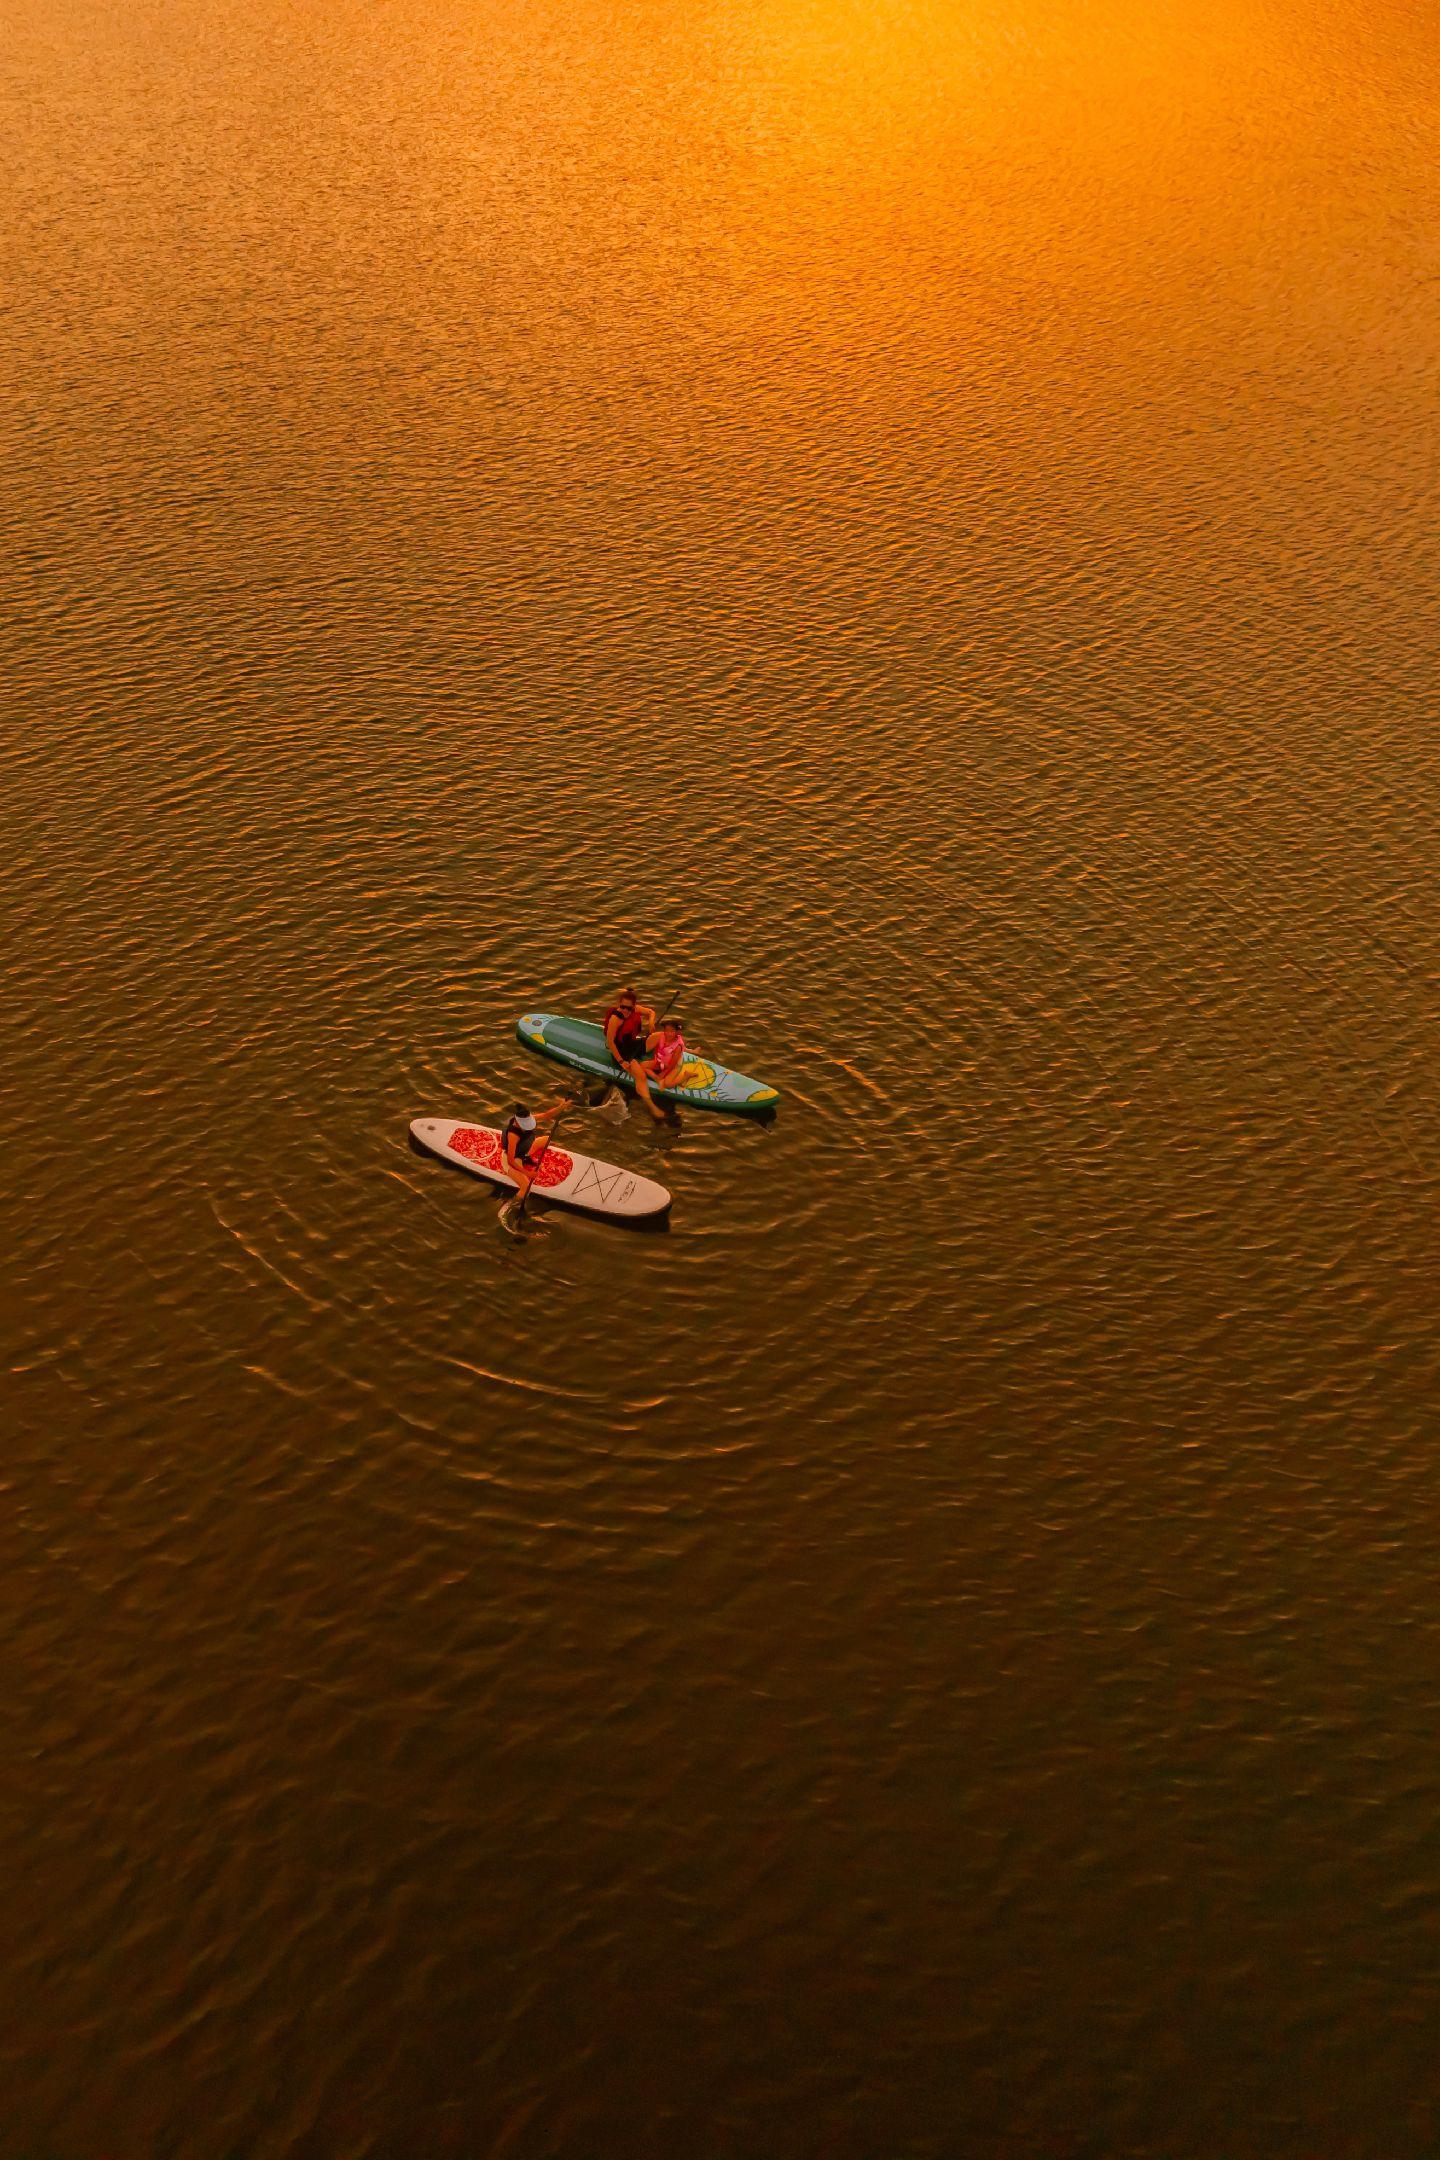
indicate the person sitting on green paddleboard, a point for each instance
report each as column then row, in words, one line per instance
column 664, row 1055
column 627, row 1026
column 523, row 1143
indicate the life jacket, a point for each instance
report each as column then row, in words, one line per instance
column 629, row 1035
column 522, row 1131
column 668, row 1058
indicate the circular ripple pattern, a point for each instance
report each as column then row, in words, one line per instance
column 910, row 531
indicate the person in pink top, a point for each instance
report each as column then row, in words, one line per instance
column 664, row 1055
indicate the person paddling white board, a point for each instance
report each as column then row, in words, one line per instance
column 523, row 1144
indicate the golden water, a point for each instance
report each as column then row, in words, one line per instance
column 914, row 527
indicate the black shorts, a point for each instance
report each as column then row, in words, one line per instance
column 627, row 1050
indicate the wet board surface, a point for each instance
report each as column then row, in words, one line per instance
column 707, row 1086
column 570, row 1179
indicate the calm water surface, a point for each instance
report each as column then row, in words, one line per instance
column 915, row 528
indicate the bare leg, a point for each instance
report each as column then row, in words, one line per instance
column 523, row 1180
column 642, row 1083
column 611, row 1052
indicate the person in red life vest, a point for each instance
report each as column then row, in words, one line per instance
column 663, row 1058
column 627, row 1025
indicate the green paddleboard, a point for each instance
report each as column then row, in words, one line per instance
column 703, row 1084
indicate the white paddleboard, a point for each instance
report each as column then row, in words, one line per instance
column 577, row 1181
